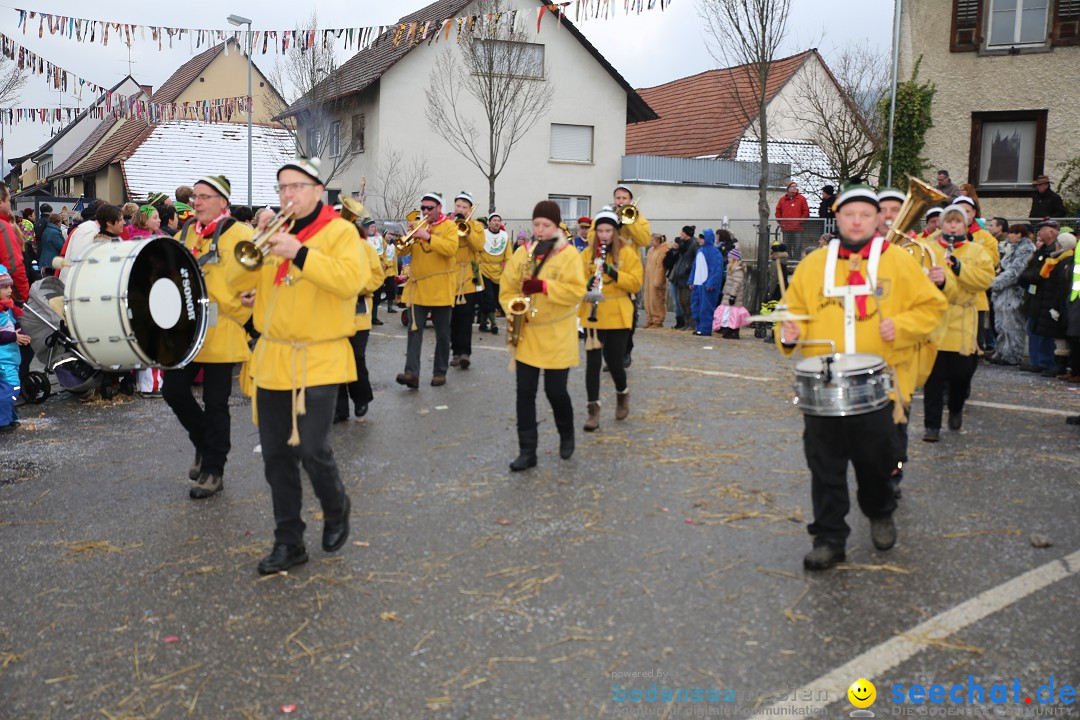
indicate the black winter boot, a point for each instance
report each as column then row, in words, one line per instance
column 566, row 437
column 526, row 450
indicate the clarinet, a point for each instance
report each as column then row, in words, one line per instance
column 596, row 294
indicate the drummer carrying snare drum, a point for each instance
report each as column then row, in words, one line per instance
column 864, row 297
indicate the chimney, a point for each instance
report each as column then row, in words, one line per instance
column 148, row 90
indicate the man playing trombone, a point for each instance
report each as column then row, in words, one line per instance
column 470, row 238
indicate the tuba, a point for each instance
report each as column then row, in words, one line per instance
column 251, row 253
column 919, row 198
column 352, row 209
column 515, row 313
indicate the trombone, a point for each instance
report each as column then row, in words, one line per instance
column 628, row 214
column 251, row 253
column 405, row 241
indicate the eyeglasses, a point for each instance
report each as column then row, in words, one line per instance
column 204, row 197
column 427, row 208
column 293, row 187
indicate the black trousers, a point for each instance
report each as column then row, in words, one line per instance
column 952, row 370
column 866, row 441
column 528, row 382
column 633, row 327
column 612, row 350
column 901, row 444
column 360, row 390
column 489, row 298
column 388, row 291
column 440, row 317
column 208, row 427
column 282, row 461
column 461, row 321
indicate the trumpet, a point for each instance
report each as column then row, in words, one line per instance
column 516, row 311
column 463, row 225
column 251, row 253
column 628, row 214
column 405, row 241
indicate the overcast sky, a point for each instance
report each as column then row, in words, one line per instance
column 648, row 49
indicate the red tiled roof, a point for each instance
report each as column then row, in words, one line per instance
column 186, row 73
column 371, row 63
column 698, row 114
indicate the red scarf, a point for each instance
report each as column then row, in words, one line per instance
column 855, row 277
column 321, row 220
column 945, row 243
column 9, row 304
column 975, row 227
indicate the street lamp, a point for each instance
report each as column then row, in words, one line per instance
column 238, row 21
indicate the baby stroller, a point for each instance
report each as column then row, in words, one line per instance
column 53, row 346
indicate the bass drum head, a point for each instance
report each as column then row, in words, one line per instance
column 166, row 301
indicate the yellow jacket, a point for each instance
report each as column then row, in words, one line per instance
column 306, row 323
column 904, row 295
column 640, row 233
column 960, row 328
column 226, row 342
column 468, row 252
column 387, row 255
column 549, row 338
column 433, row 271
column 616, row 312
column 989, row 243
column 491, row 264
column 369, row 257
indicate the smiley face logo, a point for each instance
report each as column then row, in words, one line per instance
column 862, row 693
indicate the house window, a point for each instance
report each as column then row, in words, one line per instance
column 335, row 138
column 314, row 139
column 1007, row 150
column 572, row 207
column 572, row 143
column 502, row 57
column 1018, row 22
column 358, row 133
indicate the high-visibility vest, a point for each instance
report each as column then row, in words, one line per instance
column 1076, row 275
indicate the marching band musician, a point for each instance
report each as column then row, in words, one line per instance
column 211, row 236
column 866, row 297
column 640, row 234
column 469, row 282
column 619, row 274
column 384, row 251
column 493, row 258
column 546, row 269
column 305, row 308
column 989, row 243
column 360, row 390
column 430, row 290
column 964, row 271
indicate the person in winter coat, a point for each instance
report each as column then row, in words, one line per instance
column 1044, row 201
column 734, row 288
column 1040, row 348
column 684, row 241
column 791, row 208
column 11, row 247
column 1008, row 296
column 1051, row 321
column 684, row 266
column 778, row 257
column 11, row 339
column 705, row 282
column 52, row 242
column 655, row 287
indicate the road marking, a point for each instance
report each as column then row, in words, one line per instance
column 877, row 661
column 1017, row 408
column 714, row 373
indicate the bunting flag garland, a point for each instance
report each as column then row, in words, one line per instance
column 86, row 30
column 209, row 111
column 57, row 77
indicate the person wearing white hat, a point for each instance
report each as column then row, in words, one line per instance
column 640, row 234
column 493, row 258
column 305, row 310
column 863, row 295
column 469, row 282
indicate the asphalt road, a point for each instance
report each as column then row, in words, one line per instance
column 669, row 547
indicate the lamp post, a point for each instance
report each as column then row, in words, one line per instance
column 238, row 21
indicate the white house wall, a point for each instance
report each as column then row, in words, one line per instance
column 68, row 144
column 584, row 94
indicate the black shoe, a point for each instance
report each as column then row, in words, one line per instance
column 494, row 329
column 626, row 363
column 281, row 558
column 932, row 435
column 376, row 322
column 340, row 419
column 956, row 419
column 464, row 362
column 679, row 325
column 566, row 444
column 206, row 486
column 1072, row 420
column 525, row 460
column 361, row 410
column 823, row 557
column 9, row 428
column 195, row 470
column 336, row 532
column 1031, row 368
column 605, row 369
column 883, row 532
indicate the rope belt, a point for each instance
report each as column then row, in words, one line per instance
column 413, row 281
column 299, row 353
column 513, row 349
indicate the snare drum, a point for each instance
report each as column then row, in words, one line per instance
column 137, row 304
column 842, row 384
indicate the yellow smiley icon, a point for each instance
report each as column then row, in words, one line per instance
column 862, row 693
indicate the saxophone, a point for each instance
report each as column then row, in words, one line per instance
column 596, row 294
column 520, row 306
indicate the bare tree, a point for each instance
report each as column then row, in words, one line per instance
column 498, row 69
column 841, row 112
column 398, row 182
column 321, row 128
column 745, row 36
column 12, row 80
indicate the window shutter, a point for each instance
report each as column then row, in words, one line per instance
column 966, row 25
column 1066, row 23
column 571, row 142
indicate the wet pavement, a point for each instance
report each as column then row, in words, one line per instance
column 667, row 550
